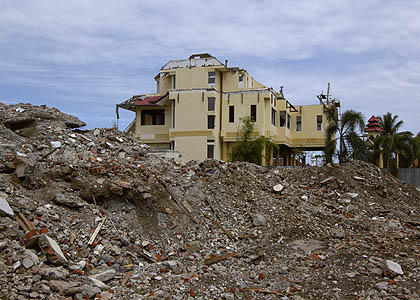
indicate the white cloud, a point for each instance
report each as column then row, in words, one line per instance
column 367, row 49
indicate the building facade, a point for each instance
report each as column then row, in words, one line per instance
column 198, row 106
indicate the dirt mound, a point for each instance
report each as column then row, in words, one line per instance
column 90, row 213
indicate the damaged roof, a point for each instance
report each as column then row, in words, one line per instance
column 142, row 100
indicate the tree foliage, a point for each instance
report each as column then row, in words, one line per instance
column 391, row 142
column 250, row 149
column 346, row 131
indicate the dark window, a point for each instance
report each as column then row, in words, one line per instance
column 210, row 150
column 254, row 113
column 241, row 81
column 282, row 118
column 231, row 114
column 212, row 103
column 210, row 122
column 273, row 116
column 172, row 145
column 212, row 78
column 288, row 121
column 298, row 123
column 174, row 82
column 319, row 122
column 153, row 117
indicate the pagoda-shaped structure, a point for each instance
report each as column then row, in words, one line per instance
column 373, row 128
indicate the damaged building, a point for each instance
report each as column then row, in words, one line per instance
column 198, row 106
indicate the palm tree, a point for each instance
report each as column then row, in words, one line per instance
column 343, row 129
column 395, row 143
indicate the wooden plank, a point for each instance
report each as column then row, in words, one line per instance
column 127, row 276
column 95, row 233
column 72, row 237
column 22, row 224
column 27, row 222
column 227, row 233
column 215, row 259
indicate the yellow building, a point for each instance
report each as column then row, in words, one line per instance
column 198, row 106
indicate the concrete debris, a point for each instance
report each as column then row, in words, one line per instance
column 258, row 220
column 90, row 214
column 278, row 187
column 392, row 269
column 5, row 208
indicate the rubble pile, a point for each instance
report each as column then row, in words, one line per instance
column 90, row 214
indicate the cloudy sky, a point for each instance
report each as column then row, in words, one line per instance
column 83, row 57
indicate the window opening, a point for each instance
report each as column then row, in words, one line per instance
column 241, row 81
column 273, row 116
column 231, row 114
column 212, row 78
column 298, row 123
column 211, row 103
column 254, row 113
column 153, row 117
column 282, row 118
column 211, row 122
column 210, row 150
column 319, row 122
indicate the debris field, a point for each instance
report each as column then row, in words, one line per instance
column 90, row 214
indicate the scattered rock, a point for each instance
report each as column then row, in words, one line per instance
column 258, row 220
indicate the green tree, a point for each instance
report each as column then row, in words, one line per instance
column 343, row 130
column 250, row 149
column 393, row 142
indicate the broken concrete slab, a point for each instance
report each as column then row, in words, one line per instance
column 392, row 269
column 307, row 245
column 5, row 208
column 105, row 275
column 51, row 249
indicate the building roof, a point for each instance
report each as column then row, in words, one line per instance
column 142, row 100
column 151, row 100
column 195, row 60
column 373, row 125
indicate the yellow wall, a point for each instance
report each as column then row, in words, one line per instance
column 190, row 96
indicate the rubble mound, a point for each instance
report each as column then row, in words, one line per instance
column 91, row 214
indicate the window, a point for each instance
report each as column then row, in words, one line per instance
column 254, row 113
column 212, row 78
column 288, row 121
column 241, row 81
column 211, row 103
column 211, row 122
column 173, row 114
column 273, row 116
column 153, row 117
column 319, row 122
column 282, row 118
column 231, row 114
column 174, row 82
column 298, row 123
column 210, row 149
column 172, row 145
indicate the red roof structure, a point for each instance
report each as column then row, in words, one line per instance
column 373, row 125
column 151, row 100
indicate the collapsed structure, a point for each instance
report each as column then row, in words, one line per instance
column 88, row 214
column 199, row 103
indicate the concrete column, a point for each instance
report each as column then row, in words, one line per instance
column 381, row 160
column 263, row 156
column 225, row 151
column 294, row 160
column 398, row 160
column 270, row 161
